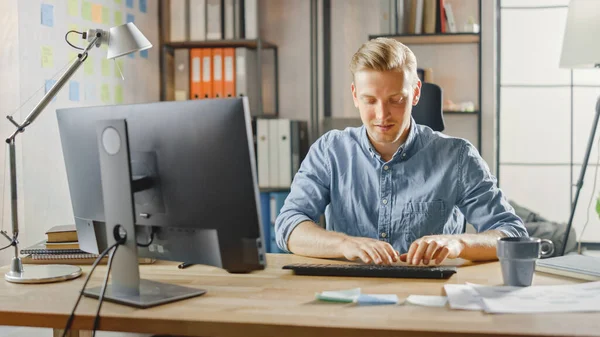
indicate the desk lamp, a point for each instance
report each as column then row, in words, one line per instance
column 121, row 40
column 581, row 50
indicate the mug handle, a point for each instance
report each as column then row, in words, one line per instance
column 548, row 252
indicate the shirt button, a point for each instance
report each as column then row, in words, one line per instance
column 383, row 235
column 386, row 167
column 384, row 201
column 403, row 155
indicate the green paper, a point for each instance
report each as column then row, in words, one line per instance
column 88, row 65
column 73, row 8
column 598, row 207
column 118, row 94
column 104, row 93
column 47, row 57
column 118, row 18
column 105, row 15
column 105, row 67
column 118, row 2
column 86, row 10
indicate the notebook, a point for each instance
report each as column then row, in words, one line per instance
column 79, row 259
column 577, row 266
column 50, row 248
column 62, row 233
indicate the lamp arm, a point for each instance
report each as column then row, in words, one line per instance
column 52, row 92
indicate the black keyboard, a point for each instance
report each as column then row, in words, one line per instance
column 371, row 270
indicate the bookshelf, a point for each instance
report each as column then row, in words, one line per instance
column 167, row 59
column 439, row 43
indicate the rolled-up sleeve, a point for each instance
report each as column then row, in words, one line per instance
column 309, row 193
column 479, row 198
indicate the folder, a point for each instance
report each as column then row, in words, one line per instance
column 217, row 80
column 277, row 202
column 265, row 212
column 214, row 29
column 274, row 153
column 228, row 19
column 196, row 73
column 182, row 74
column 238, row 19
column 229, row 72
column 284, row 153
column 429, row 16
column 268, row 82
column 246, row 77
column 197, row 20
column 262, row 151
column 206, row 73
column 251, row 19
column 178, row 20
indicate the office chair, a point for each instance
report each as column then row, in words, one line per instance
column 429, row 110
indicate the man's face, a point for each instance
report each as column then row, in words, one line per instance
column 385, row 100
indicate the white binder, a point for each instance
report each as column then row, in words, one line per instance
column 229, row 22
column 262, row 149
column 246, row 77
column 197, row 20
column 213, row 20
column 273, row 153
column 179, row 20
column 285, row 153
column 182, row 74
column 251, row 19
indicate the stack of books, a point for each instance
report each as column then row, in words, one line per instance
column 61, row 246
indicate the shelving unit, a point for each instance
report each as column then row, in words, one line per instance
column 458, row 39
column 167, row 59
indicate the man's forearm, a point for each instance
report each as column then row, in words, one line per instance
column 309, row 239
column 480, row 246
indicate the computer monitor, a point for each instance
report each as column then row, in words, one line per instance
column 192, row 175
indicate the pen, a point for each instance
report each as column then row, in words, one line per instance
column 184, row 265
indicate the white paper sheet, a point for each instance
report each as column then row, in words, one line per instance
column 428, row 301
column 463, row 297
column 541, row 299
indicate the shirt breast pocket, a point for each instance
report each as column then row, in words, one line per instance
column 418, row 219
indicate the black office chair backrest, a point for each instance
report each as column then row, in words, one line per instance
column 429, row 110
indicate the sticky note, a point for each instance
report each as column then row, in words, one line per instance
column 119, row 64
column 119, row 2
column 105, row 67
column 74, row 91
column 48, row 86
column 105, row 15
column 47, row 57
column 118, row 94
column 90, row 91
column 86, row 10
column 130, row 18
column 88, row 65
column 118, row 18
column 143, row 6
column 73, row 7
column 129, row 3
column 104, row 93
column 131, row 55
column 47, row 13
column 144, row 53
column 97, row 13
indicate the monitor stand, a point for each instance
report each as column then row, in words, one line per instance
column 126, row 287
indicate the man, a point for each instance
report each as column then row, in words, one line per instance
column 392, row 186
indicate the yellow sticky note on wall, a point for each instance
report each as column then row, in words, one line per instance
column 73, row 7
column 88, row 66
column 105, row 67
column 118, row 18
column 105, row 16
column 118, row 94
column 97, row 13
column 104, row 93
column 86, row 10
column 47, row 57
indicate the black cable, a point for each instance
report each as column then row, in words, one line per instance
column 70, row 44
column 150, row 242
column 100, row 257
column 101, row 297
column 10, row 245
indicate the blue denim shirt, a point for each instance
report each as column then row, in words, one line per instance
column 426, row 188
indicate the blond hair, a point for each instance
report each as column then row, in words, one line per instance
column 385, row 54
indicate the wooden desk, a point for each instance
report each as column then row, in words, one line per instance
column 274, row 302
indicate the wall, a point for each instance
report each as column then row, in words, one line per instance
column 45, row 190
column 545, row 116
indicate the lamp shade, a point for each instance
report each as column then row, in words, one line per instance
column 581, row 48
column 126, row 39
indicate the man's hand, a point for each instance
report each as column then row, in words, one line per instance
column 434, row 248
column 368, row 250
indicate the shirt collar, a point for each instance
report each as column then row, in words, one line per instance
column 404, row 149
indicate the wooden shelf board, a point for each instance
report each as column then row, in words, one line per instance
column 433, row 38
column 219, row 44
